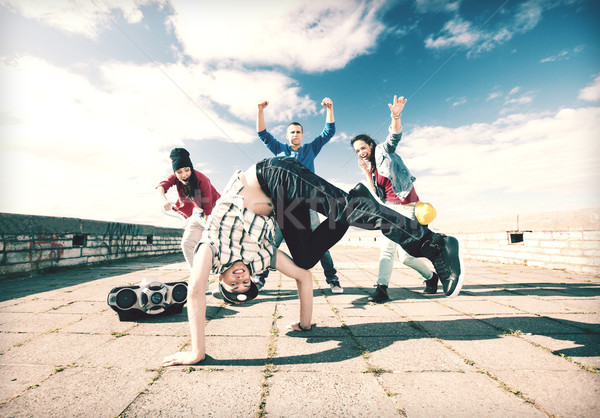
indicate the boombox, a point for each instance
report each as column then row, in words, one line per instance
column 151, row 297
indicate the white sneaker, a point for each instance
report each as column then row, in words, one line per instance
column 217, row 293
column 336, row 287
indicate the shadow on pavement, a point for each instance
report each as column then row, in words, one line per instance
column 376, row 336
column 18, row 287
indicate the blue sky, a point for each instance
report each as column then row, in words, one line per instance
column 503, row 116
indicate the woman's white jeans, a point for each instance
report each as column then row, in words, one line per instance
column 191, row 236
column 389, row 248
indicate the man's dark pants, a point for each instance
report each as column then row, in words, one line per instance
column 294, row 190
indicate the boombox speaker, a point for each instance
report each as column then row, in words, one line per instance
column 150, row 298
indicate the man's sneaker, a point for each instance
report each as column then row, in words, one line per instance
column 260, row 283
column 217, row 293
column 380, row 294
column 431, row 285
column 336, row 287
column 443, row 252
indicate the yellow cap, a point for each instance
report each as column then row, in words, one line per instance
column 425, row 213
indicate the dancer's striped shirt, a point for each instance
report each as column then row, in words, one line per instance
column 235, row 233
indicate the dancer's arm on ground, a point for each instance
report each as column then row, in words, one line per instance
column 196, row 308
column 305, row 289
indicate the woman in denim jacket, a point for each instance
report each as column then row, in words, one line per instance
column 392, row 182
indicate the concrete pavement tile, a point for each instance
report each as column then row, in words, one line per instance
column 201, row 393
column 427, row 308
column 582, row 305
column 584, row 322
column 561, row 392
column 457, row 327
column 238, row 353
column 54, row 349
column 348, row 298
column 80, row 392
column 30, row 305
column 93, row 292
column 509, row 353
column 303, row 394
column 9, row 317
column 254, row 309
column 329, row 326
column 291, row 313
column 582, row 348
column 411, row 355
column 176, row 324
column 531, row 305
column 533, row 324
column 480, row 291
column 14, row 379
column 456, row 395
column 132, row 352
column 105, row 322
column 38, row 322
column 266, row 296
column 375, row 327
column 300, row 352
column 83, row 307
column 476, row 307
column 9, row 340
column 254, row 327
column 375, row 310
column 405, row 293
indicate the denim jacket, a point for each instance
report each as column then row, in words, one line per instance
column 390, row 165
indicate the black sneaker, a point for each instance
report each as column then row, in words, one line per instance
column 259, row 282
column 431, row 285
column 380, row 294
column 443, row 252
column 336, row 287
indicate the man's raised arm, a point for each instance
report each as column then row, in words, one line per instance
column 328, row 104
column 260, row 117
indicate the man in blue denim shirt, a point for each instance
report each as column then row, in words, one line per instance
column 306, row 155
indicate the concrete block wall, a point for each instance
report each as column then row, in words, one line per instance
column 31, row 244
column 568, row 240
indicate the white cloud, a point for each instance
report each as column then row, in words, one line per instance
column 561, row 56
column 455, row 32
column 591, row 93
column 83, row 17
column 458, row 32
column 514, row 90
column 519, row 100
column 427, row 6
column 257, row 33
column 511, row 162
column 87, row 146
column 493, row 95
column 278, row 32
column 460, row 101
